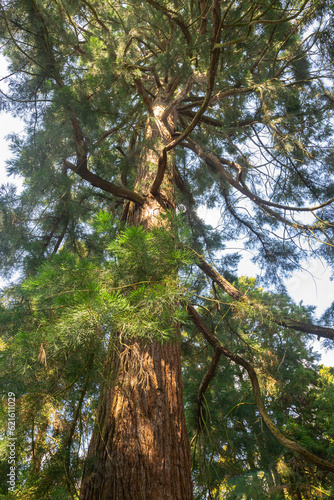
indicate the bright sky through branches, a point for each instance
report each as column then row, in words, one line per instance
column 311, row 285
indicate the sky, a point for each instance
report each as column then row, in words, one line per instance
column 311, row 285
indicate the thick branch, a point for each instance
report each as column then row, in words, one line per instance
column 164, row 119
column 160, row 173
column 320, row 331
column 195, row 102
column 204, row 119
column 217, row 278
column 173, row 17
column 286, row 442
column 180, row 96
column 105, row 185
column 143, row 93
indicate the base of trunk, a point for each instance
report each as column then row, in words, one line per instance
column 140, row 447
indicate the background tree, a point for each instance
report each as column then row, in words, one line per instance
column 138, row 113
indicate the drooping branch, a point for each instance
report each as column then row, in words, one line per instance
column 109, row 187
column 242, row 221
column 320, row 331
column 240, row 185
column 286, row 442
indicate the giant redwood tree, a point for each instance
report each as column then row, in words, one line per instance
column 137, row 114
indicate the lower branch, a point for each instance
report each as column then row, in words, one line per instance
column 286, row 442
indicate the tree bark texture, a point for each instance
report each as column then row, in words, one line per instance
column 140, row 449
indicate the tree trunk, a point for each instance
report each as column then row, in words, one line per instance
column 140, row 448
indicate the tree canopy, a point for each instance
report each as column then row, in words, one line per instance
column 137, row 114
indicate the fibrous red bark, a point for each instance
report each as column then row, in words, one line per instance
column 140, row 447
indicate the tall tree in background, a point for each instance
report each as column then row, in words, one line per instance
column 137, row 114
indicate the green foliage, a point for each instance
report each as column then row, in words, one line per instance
column 233, row 452
column 146, row 292
column 61, row 319
column 88, row 78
